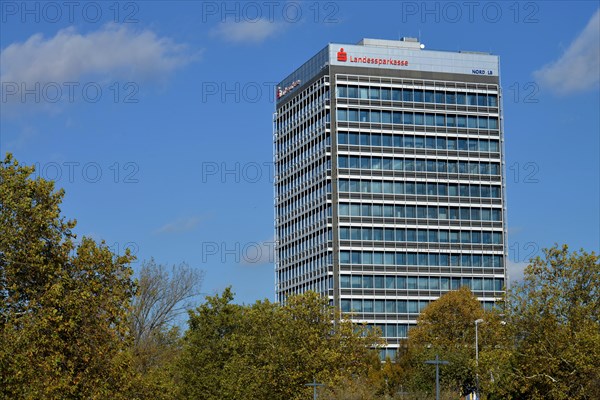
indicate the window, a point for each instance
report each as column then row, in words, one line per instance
column 411, row 282
column 451, row 144
column 345, row 305
column 390, row 330
column 364, row 116
column 343, row 184
column 364, row 93
column 429, row 96
column 418, row 96
column 481, row 100
column 344, row 209
column 345, row 257
column 419, row 119
column 413, row 306
column 401, row 304
column 390, row 306
column 386, row 117
column 345, row 281
column 401, row 282
column 440, row 120
column 375, row 116
column 429, row 119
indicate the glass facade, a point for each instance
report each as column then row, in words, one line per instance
column 389, row 189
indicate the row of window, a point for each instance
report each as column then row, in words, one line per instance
column 390, row 353
column 295, row 247
column 418, row 142
column 293, row 158
column 418, row 95
column 308, row 220
column 417, row 118
column 420, row 235
column 425, row 212
column 301, row 132
column 423, row 259
column 391, row 331
column 419, row 188
column 306, row 198
column 419, row 282
column 419, row 165
column 299, row 180
column 383, row 306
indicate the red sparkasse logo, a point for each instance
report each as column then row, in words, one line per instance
column 342, row 55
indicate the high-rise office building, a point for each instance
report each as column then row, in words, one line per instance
column 389, row 187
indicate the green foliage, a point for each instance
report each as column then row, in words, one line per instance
column 270, row 351
column 554, row 320
column 447, row 328
column 207, row 348
column 68, row 329
column 544, row 344
column 63, row 307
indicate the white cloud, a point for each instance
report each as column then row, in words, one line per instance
column 71, row 67
column 247, row 31
column 112, row 51
column 180, row 225
column 578, row 68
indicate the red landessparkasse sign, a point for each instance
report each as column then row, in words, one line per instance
column 342, row 56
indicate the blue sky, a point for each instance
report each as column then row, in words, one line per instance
column 156, row 116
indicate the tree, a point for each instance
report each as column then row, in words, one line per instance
column 447, row 327
column 208, row 346
column 554, row 319
column 162, row 296
column 160, row 299
column 63, row 307
column 270, row 351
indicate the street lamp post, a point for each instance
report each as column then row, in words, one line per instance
column 314, row 385
column 437, row 362
column 477, row 322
